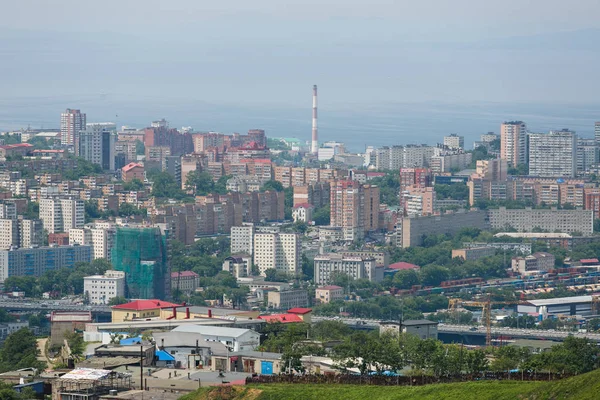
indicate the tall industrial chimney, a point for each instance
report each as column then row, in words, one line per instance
column 314, row 148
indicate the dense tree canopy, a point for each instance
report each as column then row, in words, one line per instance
column 19, row 350
column 165, row 185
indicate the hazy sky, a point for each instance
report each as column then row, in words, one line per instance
column 271, row 52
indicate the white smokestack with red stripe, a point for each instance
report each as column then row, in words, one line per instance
column 314, row 148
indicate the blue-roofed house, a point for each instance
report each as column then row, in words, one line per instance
column 131, row 341
column 164, row 359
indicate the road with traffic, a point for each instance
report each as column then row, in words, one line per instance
column 550, row 334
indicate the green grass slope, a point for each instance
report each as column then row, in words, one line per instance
column 583, row 387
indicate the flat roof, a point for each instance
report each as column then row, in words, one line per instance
column 413, row 322
column 212, row 330
column 561, row 300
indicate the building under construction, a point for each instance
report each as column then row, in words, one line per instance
column 142, row 254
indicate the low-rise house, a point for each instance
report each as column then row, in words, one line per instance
column 140, row 309
column 235, row 339
column 535, row 262
column 288, row 299
column 189, row 350
column 473, row 253
column 254, row 362
column 185, row 281
column 329, row 293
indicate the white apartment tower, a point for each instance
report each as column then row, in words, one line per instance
column 71, row 122
column 280, row 251
column 99, row 239
column 513, row 142
column 96, row 144
column 454, row 141
column 60, row 215
column 30, row 232
column 553, row 154
column 8, row 211
column 9, row 234
column 242, row 239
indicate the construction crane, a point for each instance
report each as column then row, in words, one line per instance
column 486, row 308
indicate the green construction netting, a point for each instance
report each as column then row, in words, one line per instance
column 142, row 254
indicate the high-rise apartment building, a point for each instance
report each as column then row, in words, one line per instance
column 553, row 154
column 71, row 122
column 8, row 210
column 36, row 261
column 356, row 267
column 30, row 233
column 454, row 141
column 597, row 132
column 101, row 240
column 275, row 250
column 96, row 144
column 513, row 142
column 9, row 234
column 409, row 156
column 354, row 208
column 493, row 170
column 418, row 201
column 587, row 154
column 242, row 239
column 568, row 221
column 60, row 215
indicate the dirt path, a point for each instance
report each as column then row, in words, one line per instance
column 42, row 356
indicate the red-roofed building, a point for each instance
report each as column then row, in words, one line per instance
column 303, row 313
column 20, row 149
column 326, row 294
column 589, row 261
column 140, row 309
column 303, row 212
column 185, row 281
column 132, row 171
column 403, row 266
column 281, row 318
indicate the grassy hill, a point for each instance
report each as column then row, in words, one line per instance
column 583, row 387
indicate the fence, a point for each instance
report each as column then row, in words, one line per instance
column 416, row 380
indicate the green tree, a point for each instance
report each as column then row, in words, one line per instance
column 128, row 209
column 115, row 301
column 476, row 361
column 133, row 185
column 165, row 185
column 201, row 183
column 405, row 279
column 433, row 275
column 273, row 186
column 76, row 344
column 91, row 210
column 322, row 215
column 20, row 351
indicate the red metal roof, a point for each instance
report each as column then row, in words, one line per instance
column 141, row 305
column 16, row 145
column 589, row 261
column 283, row 318
column 184, row 274
column 300, row 310
column 131, row 166
column 403, row 265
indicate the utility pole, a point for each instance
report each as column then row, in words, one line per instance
column 142, row 367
